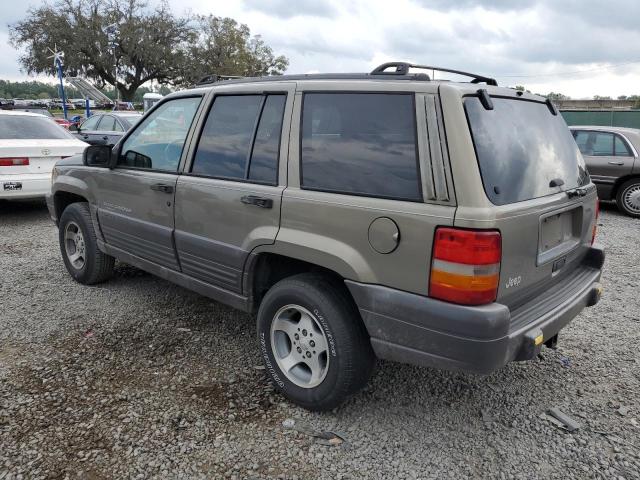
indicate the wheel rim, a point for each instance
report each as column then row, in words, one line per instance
column 299, row 346
column 74, row 245
column 631, row 198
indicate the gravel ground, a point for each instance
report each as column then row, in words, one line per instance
column 138, row 378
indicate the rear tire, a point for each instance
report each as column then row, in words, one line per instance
column 313, row 342
column 79, row 246
column 628, row 198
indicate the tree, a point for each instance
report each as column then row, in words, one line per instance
column 225, row 47
column 151, row 43
column 557, row 96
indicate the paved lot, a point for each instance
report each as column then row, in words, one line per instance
column 140, row 378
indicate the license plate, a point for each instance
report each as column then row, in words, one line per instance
column 559, row 233
column 13, row 185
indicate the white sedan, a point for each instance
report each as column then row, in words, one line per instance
column 30, row 145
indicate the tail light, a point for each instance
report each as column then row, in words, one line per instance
column 466, row 265
column 595, row 222
column 14, row 162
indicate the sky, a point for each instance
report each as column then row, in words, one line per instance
column 580, row 48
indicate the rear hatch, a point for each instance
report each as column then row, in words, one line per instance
column 541, row 198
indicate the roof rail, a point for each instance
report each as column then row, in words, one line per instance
column 213, row 78
column 402, row 68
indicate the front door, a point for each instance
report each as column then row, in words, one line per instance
column 135, row 199
column 88, row 130
column 228, row 198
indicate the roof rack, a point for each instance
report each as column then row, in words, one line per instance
column 213, row 78
column 402, row 68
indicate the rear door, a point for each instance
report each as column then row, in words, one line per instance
column 135, row 199
column 228, row 199
column 607, row 154
column 540, row 195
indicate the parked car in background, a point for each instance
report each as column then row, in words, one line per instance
column 30, row 145
column 43, row 111
column 105, row 128
column 611, row 154
column 444, row 224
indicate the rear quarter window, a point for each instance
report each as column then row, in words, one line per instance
column 360, row 144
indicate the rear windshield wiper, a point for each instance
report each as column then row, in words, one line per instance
column 577, row 192
column 556, row 182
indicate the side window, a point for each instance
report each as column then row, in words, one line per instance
column 117, row 127
column 582, row 139
column 360, row 143
column 621, row 148
column 241, row 137
column 157, row 141
column 107, row 124
column 266, row 148
column 602, row 144
column 91, row 123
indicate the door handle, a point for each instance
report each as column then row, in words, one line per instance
column 105, row 138
column 616, row 163
column 162, row 187
column 257, row 201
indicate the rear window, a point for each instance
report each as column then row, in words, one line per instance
column 521, row 147
column 16, row 127
column 360, row 144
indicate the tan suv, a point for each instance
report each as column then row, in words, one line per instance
column 358, row 215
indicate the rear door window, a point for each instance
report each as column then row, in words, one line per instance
column 602, row 144
column 521, row 147
column 360, row 144
column 241, row 138
column 620, row 147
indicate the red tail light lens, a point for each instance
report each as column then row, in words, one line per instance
column 14, row 162
column 595, row 222
column 466, row 265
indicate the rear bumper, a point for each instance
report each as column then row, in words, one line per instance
column 410, row 328
column 34, row 185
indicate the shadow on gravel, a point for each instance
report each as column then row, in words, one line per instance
column 27, row 208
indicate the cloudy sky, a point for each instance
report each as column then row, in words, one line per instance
column 578, row 47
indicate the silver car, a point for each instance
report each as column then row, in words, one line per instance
column 611, row 155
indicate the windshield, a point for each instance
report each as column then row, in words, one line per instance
column 521, row 148
column 42, row 111
column 15, row 127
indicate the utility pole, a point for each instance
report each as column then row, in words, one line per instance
column 58, row 61
column 112, row 35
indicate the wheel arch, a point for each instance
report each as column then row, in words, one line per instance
column 264, row 269
column 621, row 181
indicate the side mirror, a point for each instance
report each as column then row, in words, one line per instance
column 74, row 127
column 97, row 156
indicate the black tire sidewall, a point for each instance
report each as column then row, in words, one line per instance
column 73, row 213
column 322, row 396
column 620, row 197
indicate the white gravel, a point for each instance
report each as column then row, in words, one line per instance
column 139, row 378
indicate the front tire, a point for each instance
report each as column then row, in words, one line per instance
column 313, row 343
column 628, row 198
column 79, row 246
